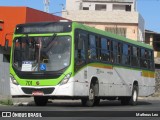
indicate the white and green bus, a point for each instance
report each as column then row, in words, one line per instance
column 68, row 60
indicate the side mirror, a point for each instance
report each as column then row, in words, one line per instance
column 6, row 44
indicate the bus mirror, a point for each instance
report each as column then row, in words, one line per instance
column 80, row 43
column 6, row 44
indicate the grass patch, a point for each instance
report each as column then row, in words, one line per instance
column 6, row 102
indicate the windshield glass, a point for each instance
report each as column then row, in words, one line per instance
column 41, row 53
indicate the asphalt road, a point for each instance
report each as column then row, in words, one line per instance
column 67, row 109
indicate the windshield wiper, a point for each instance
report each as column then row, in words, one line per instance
column 51, row 39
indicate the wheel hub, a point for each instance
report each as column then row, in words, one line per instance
column 91, row 94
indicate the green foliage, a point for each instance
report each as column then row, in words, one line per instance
column 6, row 102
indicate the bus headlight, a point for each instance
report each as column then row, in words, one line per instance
column 13, row 80
column 65, row 79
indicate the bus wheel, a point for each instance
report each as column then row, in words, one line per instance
column 91, row 98
column 40, row 100
column 125, row 100
column 134, row 97
column 96, row 101
column 83, row 101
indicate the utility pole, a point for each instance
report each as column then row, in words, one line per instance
column 46, row 5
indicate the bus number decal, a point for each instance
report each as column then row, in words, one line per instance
column 29, row 83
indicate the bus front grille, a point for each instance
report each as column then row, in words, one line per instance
column 44, row 90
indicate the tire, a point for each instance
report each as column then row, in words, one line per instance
column 83, row 101
column 40, row 100
column 89, row 101
column 125, row 100
column 134, row 97
column 131, row 100
column 97, row 101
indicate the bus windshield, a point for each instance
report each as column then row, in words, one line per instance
column 41, row 53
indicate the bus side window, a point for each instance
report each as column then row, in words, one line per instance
column 138, row 56
column 134, row 58
column 105, row 56
column 111, row 51
column 80, row 48
column 119, row 53
column 115, row 49
column 142, row 57
column 92, row 51
column 125, row 54
column 146, row 59
column 129, row 54
column 151, row 60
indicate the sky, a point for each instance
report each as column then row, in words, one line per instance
column 149, row 9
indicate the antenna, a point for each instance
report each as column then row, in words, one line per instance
column 46, row 5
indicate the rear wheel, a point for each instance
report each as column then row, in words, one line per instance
column 97, row 101
column 133, row 100
column 125, row 100
column 40, row 100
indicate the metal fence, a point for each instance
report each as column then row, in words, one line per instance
column 4, row 79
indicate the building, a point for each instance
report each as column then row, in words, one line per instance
column 116, row 16
column 11, row 16
column 153, row 38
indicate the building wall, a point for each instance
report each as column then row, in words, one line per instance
column 4, row 78
column 118, row 4
column 128, row 20
column 11, row 16
column 131, row 32
column 19, row 15
column 114, row 15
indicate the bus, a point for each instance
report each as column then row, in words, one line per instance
column 69, row 60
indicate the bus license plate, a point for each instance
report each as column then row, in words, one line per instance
column 37, row 93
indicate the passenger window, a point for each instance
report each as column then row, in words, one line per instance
column 126, row 54
column 105, row 56
column 119, row 55
column 143, row 61
column 92, row 49
column 80, row 48
column 135, row 59
column 115, row 49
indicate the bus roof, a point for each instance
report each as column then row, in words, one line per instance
column 111, row 35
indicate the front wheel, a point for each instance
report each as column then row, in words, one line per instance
column 40, row 100
column 91, row 98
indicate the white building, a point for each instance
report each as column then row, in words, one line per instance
column 116, row 16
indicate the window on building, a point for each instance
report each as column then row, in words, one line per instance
column 118, row 7
column 117, row 30
column 128, row 7
column 101, row 7
column 85, row 8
